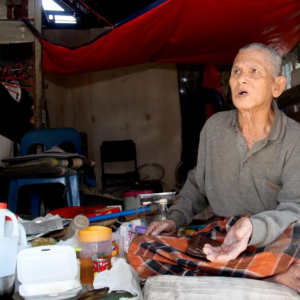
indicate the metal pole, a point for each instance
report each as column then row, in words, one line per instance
column 38, row 95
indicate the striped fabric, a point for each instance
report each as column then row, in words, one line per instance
column 154, row 255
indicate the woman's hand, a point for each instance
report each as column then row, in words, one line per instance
column 167, row 227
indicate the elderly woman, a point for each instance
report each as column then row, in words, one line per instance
column 248, row 164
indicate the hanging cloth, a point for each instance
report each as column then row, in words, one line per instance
column 181, row 31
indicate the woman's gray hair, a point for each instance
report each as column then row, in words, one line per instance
column 275, row 58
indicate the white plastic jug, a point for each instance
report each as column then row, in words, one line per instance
column 8, row 243
column 23, row 244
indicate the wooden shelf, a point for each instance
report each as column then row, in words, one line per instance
column 15, row 32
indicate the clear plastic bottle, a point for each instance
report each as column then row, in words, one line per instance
column 163, row 210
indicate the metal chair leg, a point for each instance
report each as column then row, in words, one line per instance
column 73, row 190
column 13, row 195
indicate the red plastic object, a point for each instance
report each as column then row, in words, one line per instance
column 104, row 211
column 135, row 193
column 182, row 31
column 3, row 205
column 211, row 78
column 71, row 212
column 9, row 218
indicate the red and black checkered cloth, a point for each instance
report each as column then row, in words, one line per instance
column 161, row 255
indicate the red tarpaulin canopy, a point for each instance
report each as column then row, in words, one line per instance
column 182, row 31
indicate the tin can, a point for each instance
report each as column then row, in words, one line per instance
column 100, row 264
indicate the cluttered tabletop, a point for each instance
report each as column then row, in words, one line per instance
column 75, row 252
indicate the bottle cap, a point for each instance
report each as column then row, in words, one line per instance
column 3, row 205
column 122, row 219
column 163, row 201
column 94, row 234
column 81, row 222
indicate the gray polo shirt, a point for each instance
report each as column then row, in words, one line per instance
column 263, row 182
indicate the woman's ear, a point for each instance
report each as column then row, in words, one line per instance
column 279, row 86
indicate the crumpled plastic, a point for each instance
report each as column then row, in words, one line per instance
column 73, row 241
column 121, row 277
column 42, row 225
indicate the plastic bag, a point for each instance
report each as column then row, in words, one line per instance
column 121, row 277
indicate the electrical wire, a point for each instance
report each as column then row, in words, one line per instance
column 95, row 13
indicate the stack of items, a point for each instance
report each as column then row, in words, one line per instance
column 81, row 257
column 52, row 163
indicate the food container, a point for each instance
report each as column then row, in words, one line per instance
column 48, row 272
column 96, row 242
column 131, row 200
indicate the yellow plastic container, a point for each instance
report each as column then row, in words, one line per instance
column 95, row 233
column 96, row 242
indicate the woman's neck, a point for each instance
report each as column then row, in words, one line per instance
column 255, row 125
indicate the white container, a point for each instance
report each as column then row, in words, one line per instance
column 23, row 244
column 8, row 243
column 131, row 200
column 127, row 231
column 48, row 272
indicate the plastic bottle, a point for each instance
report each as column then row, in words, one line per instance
column 163, row 210
column 3, row 207
column 8, row 243
column 79, row 222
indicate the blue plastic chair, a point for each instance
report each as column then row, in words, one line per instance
column 48, row 138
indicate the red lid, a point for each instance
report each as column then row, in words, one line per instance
column 3, row 205
column 135, row 193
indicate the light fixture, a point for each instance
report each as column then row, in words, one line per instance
column 51, row 5
column 65, row 19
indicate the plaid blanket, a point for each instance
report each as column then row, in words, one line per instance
column 161, row 255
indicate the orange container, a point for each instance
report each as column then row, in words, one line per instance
column 96, row 242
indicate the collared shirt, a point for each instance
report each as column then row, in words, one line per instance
column 263, row 181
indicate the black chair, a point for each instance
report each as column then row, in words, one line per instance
column 117, row 152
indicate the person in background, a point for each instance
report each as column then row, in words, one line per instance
column 248, row 164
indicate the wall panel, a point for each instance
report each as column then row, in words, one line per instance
column 139, row 102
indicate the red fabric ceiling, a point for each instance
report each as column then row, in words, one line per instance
column 183, row 31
